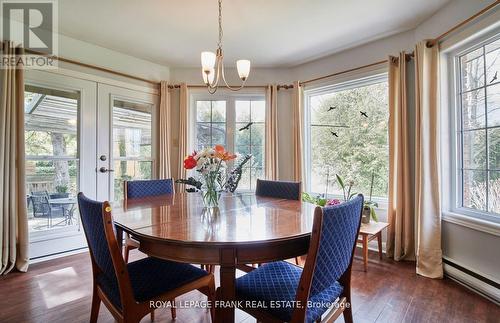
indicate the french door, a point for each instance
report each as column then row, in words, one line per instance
column 81, row 136
column 126, row 139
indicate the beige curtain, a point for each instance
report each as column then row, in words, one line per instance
column 13, row 214
column 183, row 128
column 271, row 141
column 164, row 125
column 427, row 162
column 298, row 129
column 401, row 232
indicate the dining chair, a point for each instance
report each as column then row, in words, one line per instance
column 128, row 288
column 141, row 189
column 278, row 189
column 324, row 283
column 42, row 207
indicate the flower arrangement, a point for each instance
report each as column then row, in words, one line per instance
column 211, row 164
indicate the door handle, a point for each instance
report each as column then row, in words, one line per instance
column 105, row 170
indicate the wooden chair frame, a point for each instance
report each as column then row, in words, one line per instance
column 304, row 288
column 131, row 310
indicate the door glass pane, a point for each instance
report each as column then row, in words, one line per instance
column 52, row 159
column 132, row 143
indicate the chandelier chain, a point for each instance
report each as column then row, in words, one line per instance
column 219, row 44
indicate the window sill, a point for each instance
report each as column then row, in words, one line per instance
column 471, row 222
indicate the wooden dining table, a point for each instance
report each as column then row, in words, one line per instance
column 244, row 229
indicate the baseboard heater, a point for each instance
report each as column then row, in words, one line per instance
column 472, row 280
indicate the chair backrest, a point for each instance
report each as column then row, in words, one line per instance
column 104, row 250
column 40, row 202
column 331, row 250
column 150, row 187
column 91, row 213
column 278, row 189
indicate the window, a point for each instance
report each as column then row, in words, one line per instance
column 237, row 123
column 478, row 127
column 52, row 159
column 132, row 155
column 347, row 134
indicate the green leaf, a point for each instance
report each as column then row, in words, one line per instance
column 341, row 182
column 373, row 214
column 353, row 194
column 321, row 202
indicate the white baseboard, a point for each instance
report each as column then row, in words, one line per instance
column 472, row 283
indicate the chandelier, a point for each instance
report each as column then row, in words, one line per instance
column 212, row 65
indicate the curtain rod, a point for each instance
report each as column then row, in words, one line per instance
column 342, row 72
column 280, row 86
column 461, row 24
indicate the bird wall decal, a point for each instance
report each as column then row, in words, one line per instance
column 363, row 114
column 334, row 134
column 332, row 108
column 495, row 77
column 246, row 127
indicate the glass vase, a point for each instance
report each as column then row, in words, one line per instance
column 210, row 197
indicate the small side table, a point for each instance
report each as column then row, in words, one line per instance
column 367, row 233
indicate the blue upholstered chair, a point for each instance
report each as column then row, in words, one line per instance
column 278, row 189
column 127, row 289
column 142, row 189
column 148, row 188
column 325, row 279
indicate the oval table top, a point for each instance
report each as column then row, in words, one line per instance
column 242, row 218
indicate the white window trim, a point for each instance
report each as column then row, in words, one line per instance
column 450, row 159
column 230, row 98
column 356, row 81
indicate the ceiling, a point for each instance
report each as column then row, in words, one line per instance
column 277, row 33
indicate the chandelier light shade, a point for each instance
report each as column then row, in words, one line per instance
column 212, row 65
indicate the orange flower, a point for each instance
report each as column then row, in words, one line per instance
column 221, row 153
column 219, row 149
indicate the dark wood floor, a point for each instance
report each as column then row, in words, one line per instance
column 59, row 291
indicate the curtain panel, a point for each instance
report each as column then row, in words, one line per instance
column 183, row 129
column 164, row 125
column 13, row 213
column 271, row 138
column 427, row 162
column 401, row 216
column 298, row 132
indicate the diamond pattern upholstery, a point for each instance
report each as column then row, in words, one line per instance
column 93, row 226
column 278, row 189
column 338, row 236
column 151, row 277
column 279, row 281
column 153, row 187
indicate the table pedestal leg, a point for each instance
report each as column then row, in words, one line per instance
column 365, row 252
column 227, row 283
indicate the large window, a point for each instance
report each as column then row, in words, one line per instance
column 347, row 134
column 237, row 123
column 478, row 127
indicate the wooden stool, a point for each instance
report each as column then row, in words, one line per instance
column 367, row 233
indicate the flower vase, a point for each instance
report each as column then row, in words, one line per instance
column 210, row 197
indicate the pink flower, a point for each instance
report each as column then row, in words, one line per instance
column 333, row 202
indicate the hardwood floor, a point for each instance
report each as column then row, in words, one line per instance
column 59, row 291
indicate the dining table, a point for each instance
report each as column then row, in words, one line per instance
column 243, row 229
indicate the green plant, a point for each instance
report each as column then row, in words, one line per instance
column 317, row 200
column 61, row 189
column 346, row 189
column 372, row 205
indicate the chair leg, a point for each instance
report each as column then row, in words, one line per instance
column 153, row 316
column 297, row 261
column 212, row 298
column 96, row 302
column 173, row 310
column 348, row 308
column 125, row 253
column 379, row 240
